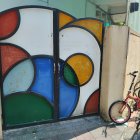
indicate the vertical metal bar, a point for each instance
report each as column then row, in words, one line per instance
column 2, row 96
column 101, row 64
column 56, row 63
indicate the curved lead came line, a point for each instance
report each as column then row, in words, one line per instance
column 35, row 6
column 11, row 68
column 89, row 99
column 77, row 20
column 34, row 78
column 67, row 14
column 93, row 59
column 16, row 64
column 16, row 46
column 26, row 92
column 75, row 102
column 44, row 67
column 33, row 57
column 78, row 93
column 65, row 63
column 76, row 26
column 38, row 97
column 91, row 63
column 136, row 85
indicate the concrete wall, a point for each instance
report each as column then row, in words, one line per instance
column 114, row 65
column 133, row 60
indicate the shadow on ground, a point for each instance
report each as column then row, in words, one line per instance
column 63, row 130
column 87, row 128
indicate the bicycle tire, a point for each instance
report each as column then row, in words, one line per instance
column 139, row 93
column 115, row 116
column 137, row 89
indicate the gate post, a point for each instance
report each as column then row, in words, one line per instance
column 1, row 136
column 113, row 68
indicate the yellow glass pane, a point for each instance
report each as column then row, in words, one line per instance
column 95, row 26
column 64, row 19
column 83, row 67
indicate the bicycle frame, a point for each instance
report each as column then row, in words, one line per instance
column 136, row 99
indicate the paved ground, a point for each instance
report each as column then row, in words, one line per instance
column 88, row 128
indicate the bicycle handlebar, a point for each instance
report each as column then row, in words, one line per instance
column 133, row 73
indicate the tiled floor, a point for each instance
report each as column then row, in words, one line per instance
column 88, row 128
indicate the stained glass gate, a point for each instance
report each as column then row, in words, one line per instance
column 50, row 65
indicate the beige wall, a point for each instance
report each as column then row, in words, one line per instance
column 133, row 59
column 114, row 65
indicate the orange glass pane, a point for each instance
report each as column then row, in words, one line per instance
column 8, row 23
column 83, row 67
column 92, row 105
column 11, row 55
column 95, row 26
column 64, row 19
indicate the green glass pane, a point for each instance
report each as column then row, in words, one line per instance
column 26, row 108
column 70, row 76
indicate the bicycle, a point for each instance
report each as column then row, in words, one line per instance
column 120, row 111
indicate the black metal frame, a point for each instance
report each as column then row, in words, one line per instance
column 56, row 63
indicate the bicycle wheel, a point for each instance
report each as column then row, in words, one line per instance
column 119, row 112
column 139, row 93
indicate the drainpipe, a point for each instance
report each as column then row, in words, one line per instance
column 127, row 15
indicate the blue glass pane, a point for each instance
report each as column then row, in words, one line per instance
column 68, row 97
column 44, row 79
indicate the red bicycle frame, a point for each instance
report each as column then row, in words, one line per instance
column 136, row 99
